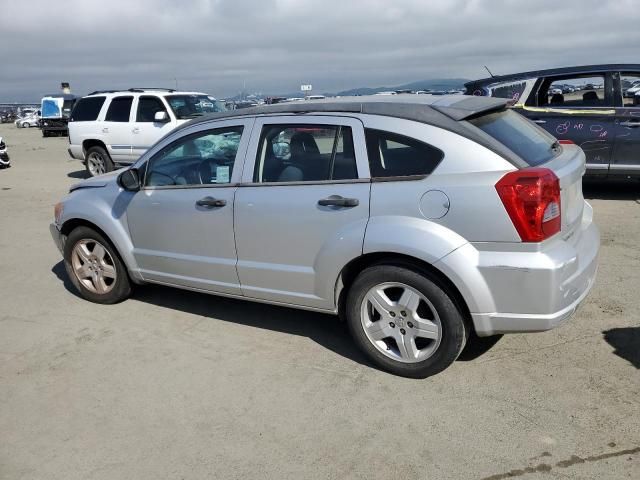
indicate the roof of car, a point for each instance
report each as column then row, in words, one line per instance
column 145, row 90
column 583, row 69
column 441, row 110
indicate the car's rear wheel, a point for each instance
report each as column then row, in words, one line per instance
column 94, row 267
column 98, row 161
column 25, row 125
column 404, row 321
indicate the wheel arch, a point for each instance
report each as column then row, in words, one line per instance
column 72, row 223
column 92, row 142
column 350, row 271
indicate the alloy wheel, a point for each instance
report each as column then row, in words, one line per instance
column 96, row 164
column 401, row 322
column 93, row 266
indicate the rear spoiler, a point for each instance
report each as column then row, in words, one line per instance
column 468, row 106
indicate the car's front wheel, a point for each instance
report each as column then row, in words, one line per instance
column 98, row 161
column 94, row 267
column 404, row 321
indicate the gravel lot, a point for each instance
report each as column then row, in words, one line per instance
column 179, row 385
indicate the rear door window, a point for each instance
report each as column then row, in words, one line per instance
column 305, row 153
column 531, row 143
column 119, row 110
column 393, row 155
column 87, row 109
column 589, row 91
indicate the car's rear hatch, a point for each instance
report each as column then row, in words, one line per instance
column 538, row 149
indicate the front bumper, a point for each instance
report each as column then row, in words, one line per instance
column 4, row 159
column 58, row 238
column 526, row 291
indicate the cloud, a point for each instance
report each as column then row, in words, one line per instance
column 218, row 46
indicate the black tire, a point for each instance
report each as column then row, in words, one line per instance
column 100, row 154
column 121, row 287
column 454, row 331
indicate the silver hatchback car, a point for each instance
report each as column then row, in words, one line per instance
column 421, row 220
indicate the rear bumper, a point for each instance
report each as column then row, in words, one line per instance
column 526, row 291
column 76, row 152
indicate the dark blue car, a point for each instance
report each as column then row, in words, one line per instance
column 589, row 106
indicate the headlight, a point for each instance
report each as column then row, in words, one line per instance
column 57, row 211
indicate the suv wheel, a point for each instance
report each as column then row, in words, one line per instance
column 98, row 161
column 404, row 321
column 94, row 267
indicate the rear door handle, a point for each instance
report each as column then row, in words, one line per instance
column 105, row 130
column 338, row 201
column 135, row 130
column 210, row 202
column 537, row 120
column 635, row 124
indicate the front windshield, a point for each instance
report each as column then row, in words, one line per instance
column 189, row 106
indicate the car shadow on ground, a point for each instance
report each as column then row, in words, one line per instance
column 80, row 174
column 611, row 189
column 326, row 330
column 626, row 342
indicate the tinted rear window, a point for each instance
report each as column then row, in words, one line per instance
column 87, row 109
column 119, row 109
column 531, row 143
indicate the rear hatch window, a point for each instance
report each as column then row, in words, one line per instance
column 524, row 138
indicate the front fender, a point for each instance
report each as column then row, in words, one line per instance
column 105, row 208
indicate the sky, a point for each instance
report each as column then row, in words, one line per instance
column 273, row 46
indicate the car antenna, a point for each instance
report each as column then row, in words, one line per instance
column 487, row 68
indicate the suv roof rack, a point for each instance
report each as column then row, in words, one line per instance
column 142, row 89
column 133, row 90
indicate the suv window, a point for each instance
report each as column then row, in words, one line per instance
column 148, row 106
column 524, row 138
column 193, row 105
column 201, row 158
column 87, row 109
column 305, row 153
column 574, row 92
column 119, row 109
column 393, row 155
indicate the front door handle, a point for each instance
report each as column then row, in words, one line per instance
column 630, row 124
column 210, row 202
column 539, row 121
column 338, row 201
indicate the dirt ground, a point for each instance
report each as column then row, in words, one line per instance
column 179, row 385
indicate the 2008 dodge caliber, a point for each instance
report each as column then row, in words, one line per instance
column 419, row 219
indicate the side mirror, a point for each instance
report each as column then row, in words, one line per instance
column 161, row 117
column 129, row 180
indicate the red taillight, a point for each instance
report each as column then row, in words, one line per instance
column 566, row 142
column 532, row 199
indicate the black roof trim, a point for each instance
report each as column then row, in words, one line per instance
column 583, row 69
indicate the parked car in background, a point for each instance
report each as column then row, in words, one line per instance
column 8, row 116
column 5, row 161
column 31, row 120
column 632, row 90
column 55, row 112
column 114, row 127
column 419, row 219
column 599, row 115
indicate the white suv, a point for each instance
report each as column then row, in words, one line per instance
column 113, row 127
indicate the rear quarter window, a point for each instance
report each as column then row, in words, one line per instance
column 394, row 155
column 531, row 143
column 87, row 109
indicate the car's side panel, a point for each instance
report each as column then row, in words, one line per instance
column 290, row 249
